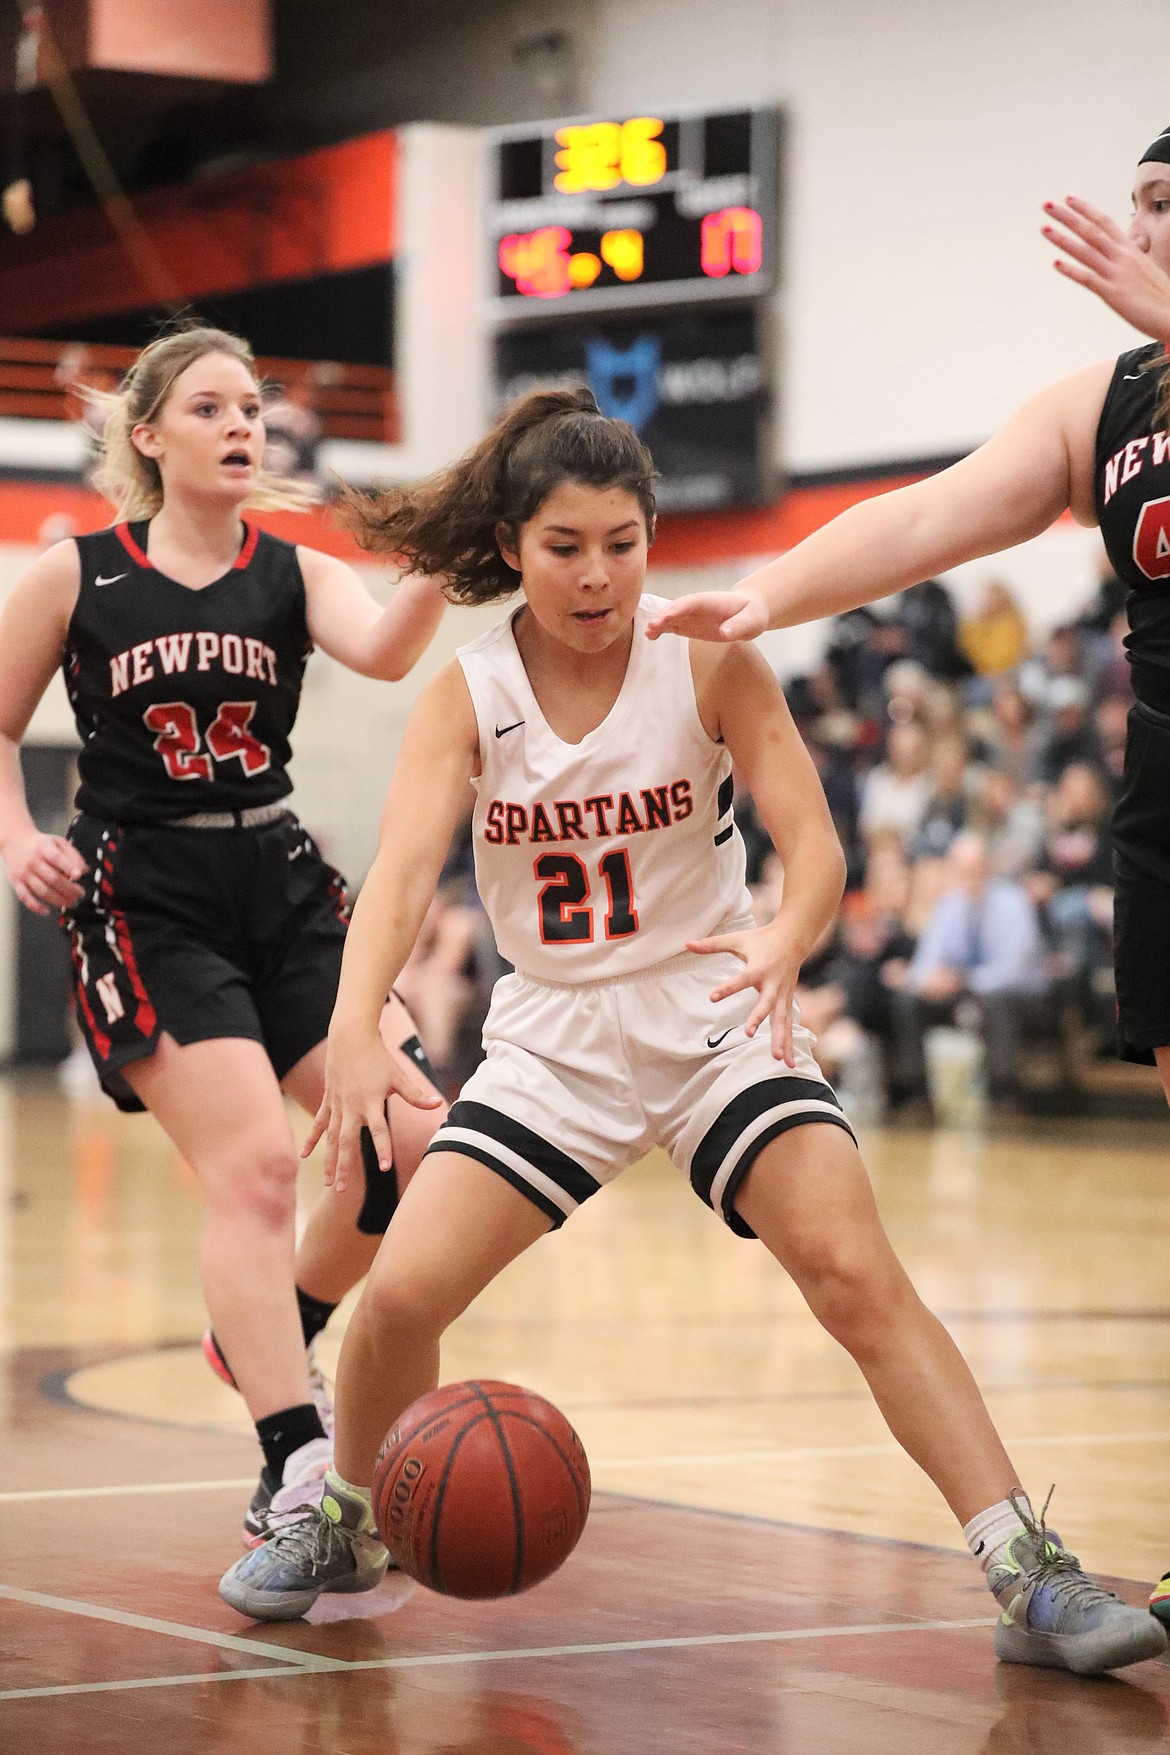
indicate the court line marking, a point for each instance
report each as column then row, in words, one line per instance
column 677, row 1460
column 521, row 1654
column 118, row 1492
column 280, row 1654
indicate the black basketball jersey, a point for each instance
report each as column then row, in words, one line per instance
column 184, row 699
column 1131, row 487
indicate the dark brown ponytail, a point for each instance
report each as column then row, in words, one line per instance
column 445, row 526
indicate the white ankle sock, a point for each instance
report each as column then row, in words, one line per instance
column 335, row 1484
column 989, row 1533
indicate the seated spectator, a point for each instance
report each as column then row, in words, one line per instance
column 981, row 951
column 1068, row 652
column 1006, row 732
column 996, row 638
column 927, row 614
column 862, row 645
column 1065, row 733
column 1073, row 880
column 946, row 811
column 1011, row 822
column 894, row 795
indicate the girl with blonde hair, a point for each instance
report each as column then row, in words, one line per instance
column 206, row 929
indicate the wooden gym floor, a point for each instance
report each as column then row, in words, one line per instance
column 762, row 1572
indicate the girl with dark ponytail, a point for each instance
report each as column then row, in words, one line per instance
column 610, row 867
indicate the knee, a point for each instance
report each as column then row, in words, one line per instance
column 402, row 1314
column 855, row 1298
column 257, row 1180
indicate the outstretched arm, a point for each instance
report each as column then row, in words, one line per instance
column 41, row 868
column 345, row 621
column 427, row 793
column 1013, row 487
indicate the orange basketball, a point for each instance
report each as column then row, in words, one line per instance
column 481, row 1489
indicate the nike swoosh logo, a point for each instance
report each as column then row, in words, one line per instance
column 112, row 580
column 714, row 1041
column 503, row 730
column 1132, row 377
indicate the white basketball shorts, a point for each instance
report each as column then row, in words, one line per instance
column 581, row 1081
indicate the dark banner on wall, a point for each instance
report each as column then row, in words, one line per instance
column 693, row 385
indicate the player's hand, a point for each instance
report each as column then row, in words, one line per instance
column 44, row 871
column 711, row 615
column 1106, row 260
column 360, row 1075
column 771, row 964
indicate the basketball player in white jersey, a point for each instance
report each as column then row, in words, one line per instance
column 645, row 1008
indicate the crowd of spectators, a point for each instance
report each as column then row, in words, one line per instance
column 970, row 769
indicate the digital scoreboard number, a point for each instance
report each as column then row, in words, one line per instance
column 615, row 213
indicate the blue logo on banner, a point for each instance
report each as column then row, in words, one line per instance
column 625, row 379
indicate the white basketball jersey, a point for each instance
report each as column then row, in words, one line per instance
column 603, row 857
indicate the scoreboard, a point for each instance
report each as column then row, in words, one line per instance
column 610, row 213
column 639, row 255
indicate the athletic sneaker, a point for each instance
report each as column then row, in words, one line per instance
column 319, row 1390
column 1160, row 1600
column 1054, row 1615
column 275, row 1502
column 329, row 1547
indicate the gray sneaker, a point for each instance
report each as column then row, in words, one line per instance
column 1054, row 1615
column 331, row 1546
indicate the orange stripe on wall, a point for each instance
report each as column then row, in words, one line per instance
column 318, row 214
column 693, row 540
column 696, row 539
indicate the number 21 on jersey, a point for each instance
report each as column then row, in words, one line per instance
column 566, row 912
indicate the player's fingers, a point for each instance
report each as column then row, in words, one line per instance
column 759, row 1012
column 743, row 625
column 1097, row 217
column 783, row 1047
column 414, row 1090
column 26, row 897
column 348, row 1152
column 707, row 947
column 1082, row 276
column 1081, row 251
column 1090, row 224
column 319, row 1123
column 380, row 1134
column 68, row 859
column 734, row 984
column 55, row 886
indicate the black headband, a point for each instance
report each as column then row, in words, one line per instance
column 1159, row 152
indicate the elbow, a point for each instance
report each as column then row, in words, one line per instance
column 836, row 870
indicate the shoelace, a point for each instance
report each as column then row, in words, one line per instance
column 306, row 1540
column 1056, row 1567
column 297, row 1502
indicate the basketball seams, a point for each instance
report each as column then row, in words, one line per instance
column 582, row 1500
column 440, row 1495
column 513, row 1484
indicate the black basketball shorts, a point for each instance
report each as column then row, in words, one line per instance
column 202, row 934
column 1141, row 904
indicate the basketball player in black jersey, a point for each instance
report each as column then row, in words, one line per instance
column 206, row 929
column 1097, row 444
